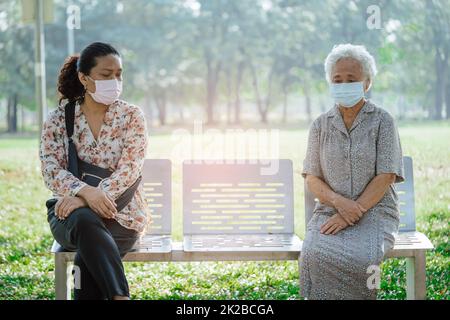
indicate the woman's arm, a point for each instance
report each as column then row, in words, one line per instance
column 376, row 189
column 53, row 157
column 321, row 190
column 351, row 211
column 129, row 168
column 389, row 163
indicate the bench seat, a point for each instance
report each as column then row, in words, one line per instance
column 409, row 245
column 406, row 244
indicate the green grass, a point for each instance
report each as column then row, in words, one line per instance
column 27, row 270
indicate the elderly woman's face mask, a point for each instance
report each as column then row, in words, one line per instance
column 347, row 94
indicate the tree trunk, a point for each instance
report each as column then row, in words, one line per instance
column 284, row 104
column 160, row 101
column 212, row 79
column 263, row 115
column 268, row 98
column 447, row 101
column 148, row 108
column 181, row 114
column 8, row 114
column 263, row 106
column 237, row 100
column 22, row 119
column 12, row 113
column 256, row 89
column 228, row 93
column 308, row 103
column 436, row 113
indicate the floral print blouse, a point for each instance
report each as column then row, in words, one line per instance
column 120, row 146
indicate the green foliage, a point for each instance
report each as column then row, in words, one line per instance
column 170, row 46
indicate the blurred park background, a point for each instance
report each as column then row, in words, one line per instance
column 234, row 61
column 248, row 64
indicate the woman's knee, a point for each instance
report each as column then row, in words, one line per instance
column 84, row 219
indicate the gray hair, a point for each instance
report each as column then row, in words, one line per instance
column 359, row 53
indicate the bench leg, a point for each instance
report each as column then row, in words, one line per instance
column 416, row 276
column 62, row 286
column 299, row 275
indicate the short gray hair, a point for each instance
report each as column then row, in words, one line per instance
column 359, row 53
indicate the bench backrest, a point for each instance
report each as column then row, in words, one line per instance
column 157, row 185
column 237, row 197
column 405, row 192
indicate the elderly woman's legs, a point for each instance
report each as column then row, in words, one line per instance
column 337, row 266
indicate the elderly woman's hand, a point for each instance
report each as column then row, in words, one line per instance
column 333, row 225
column 351, row 211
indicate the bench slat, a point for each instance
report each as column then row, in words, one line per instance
column 256, row 242
column 412, row 240
column 148, row 253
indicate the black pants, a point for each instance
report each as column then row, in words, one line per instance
column 100, row 245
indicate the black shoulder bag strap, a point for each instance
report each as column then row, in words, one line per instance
column 69, row 110
column 77, row 167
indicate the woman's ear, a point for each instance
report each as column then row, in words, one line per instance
column 367, row 84
column 83, row 79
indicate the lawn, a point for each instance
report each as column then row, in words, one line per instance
column 26, row 266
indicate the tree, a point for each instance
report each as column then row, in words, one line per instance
column 16, row 64
column 438, row 19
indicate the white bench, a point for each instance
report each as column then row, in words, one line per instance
column 274, row 239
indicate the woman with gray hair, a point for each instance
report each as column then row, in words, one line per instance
column 353, row 159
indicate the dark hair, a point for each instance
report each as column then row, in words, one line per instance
column 69, row 86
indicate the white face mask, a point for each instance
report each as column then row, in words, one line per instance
column 347, row 94
column 106, row 91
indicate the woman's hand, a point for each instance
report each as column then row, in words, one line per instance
column 333, row 225
column 65, row 206
column 351, row 211
column 99, row 201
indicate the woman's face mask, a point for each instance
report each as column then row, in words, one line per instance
column 347, row 94
column 106, row 91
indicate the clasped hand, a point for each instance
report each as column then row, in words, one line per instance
column 349, row 213
column 99, row 201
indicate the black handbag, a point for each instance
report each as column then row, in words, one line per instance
column 87, row 172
